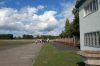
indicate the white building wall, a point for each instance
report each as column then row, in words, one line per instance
column 89, row 23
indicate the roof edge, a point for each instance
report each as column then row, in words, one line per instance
column 80, row 3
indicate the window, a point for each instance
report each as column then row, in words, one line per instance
column 92, row 39
column 91, row 7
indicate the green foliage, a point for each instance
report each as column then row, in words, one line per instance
column 72, row 28
column 46, row 37
column 68, row 28
column 63, row 34
column 75, row 23
column 6, row 36
column 27, row 37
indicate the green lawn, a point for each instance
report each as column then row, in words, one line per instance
column 7, row 42
column 50, row 56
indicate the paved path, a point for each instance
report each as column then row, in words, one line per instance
column 23, row 55
column 61, row 46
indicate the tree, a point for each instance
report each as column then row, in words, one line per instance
column 75, row 23
column 27, row 37
column 6, row 36
column 62, row 35
column 72, row 29
column 68, row 29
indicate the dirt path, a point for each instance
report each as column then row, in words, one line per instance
column 19, row 56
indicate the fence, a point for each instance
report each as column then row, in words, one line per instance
column 73, row 42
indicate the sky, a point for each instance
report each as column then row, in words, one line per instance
column 34, row 17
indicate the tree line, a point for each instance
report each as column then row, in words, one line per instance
column 6, row 36
column 72, row 28
column 46, row 37
column 25, row 36
column 10, row 36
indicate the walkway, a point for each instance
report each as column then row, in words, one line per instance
column 23, row 55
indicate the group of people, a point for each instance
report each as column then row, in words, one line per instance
column 42, row 41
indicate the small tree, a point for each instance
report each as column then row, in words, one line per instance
column 75, row 23
column 68, row 28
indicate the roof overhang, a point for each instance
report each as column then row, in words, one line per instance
column 80, row 3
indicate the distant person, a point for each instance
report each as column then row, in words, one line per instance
column 43, row 40
column 40, row 41
column 47, row 40
column 36, row 41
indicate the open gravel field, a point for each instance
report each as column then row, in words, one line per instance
column 19, row 55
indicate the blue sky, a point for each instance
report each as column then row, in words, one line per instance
column 36, row 17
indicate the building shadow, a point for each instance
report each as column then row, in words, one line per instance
column 61, row 46
column 81, row 64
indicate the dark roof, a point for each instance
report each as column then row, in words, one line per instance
column 79, row 3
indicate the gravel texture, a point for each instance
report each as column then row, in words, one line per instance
column 23, row 55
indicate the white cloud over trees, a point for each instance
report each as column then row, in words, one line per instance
column 28, row 21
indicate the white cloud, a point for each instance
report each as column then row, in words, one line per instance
column 26, row 21
column 67, row 11
column 40, row 7
column 66, row 14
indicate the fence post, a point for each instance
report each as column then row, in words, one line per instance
column 74, row 41
column 68, row 41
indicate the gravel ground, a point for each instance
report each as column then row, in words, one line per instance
column 23, row 55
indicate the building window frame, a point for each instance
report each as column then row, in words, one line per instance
column 92, row 39
column 91, row 7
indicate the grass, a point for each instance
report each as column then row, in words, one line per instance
column 50, row 56
column 7, row 42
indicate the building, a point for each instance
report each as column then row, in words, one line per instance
column 89, row 14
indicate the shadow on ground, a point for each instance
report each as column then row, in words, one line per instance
column 63, row 46
column 81, row 64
